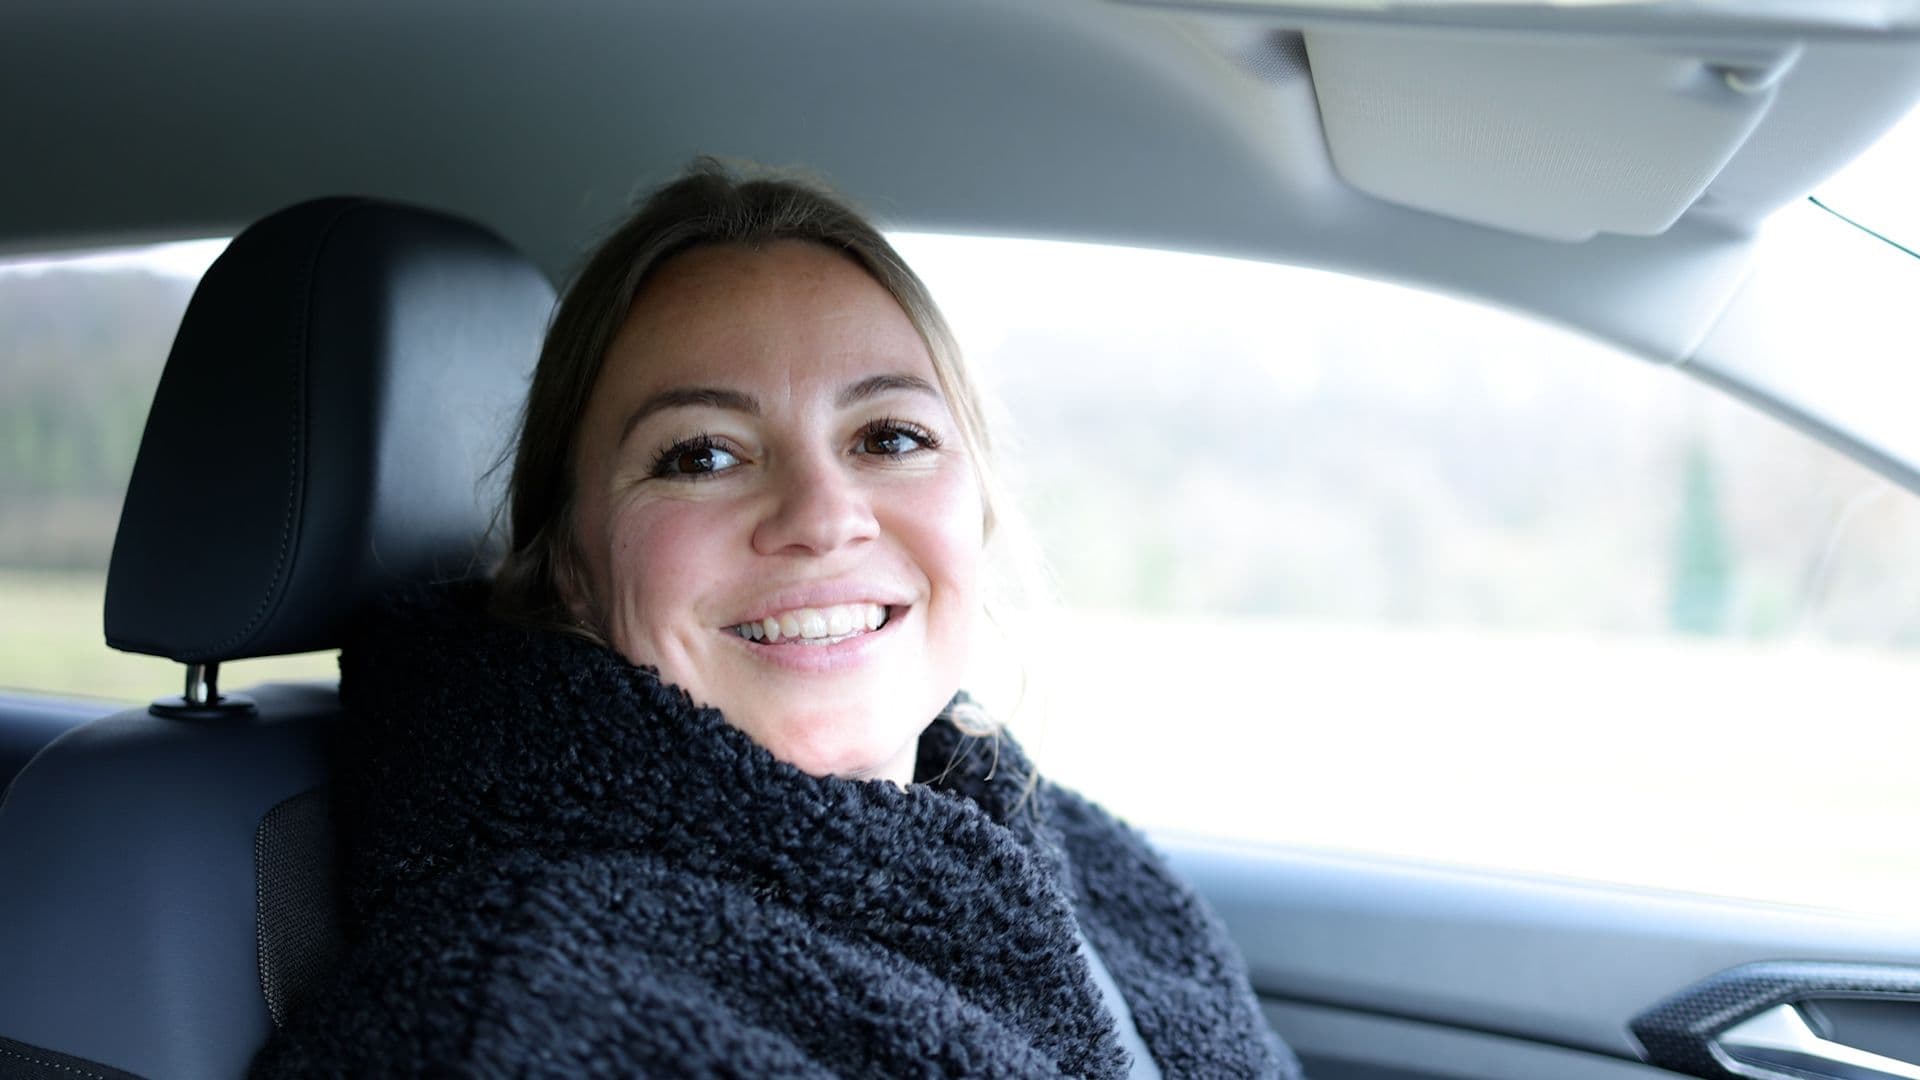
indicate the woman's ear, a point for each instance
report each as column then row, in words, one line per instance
column 568, row 574
column 570, row 583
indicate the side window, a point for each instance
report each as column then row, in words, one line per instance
column 83, row 339
column 1348, row 566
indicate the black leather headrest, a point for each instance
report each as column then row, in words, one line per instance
column 346, row 373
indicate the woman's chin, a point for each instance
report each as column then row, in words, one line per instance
column 830, row 746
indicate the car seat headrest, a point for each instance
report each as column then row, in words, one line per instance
column 344, row 378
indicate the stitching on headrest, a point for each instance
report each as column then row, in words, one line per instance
column 296, row 490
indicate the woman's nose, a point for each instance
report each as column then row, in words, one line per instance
column 818, row 507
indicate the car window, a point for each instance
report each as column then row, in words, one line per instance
column 1875, row 190
column 1345, row 565
column 83, row 338
column 1338, row 565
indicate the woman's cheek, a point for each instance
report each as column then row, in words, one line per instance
column 958, row 520
column 945, row 527
column 662, row 553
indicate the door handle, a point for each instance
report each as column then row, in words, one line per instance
column 1780, row 1045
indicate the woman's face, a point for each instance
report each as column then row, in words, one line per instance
column 775, row 508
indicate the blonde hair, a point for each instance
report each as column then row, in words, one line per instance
column 708, row 205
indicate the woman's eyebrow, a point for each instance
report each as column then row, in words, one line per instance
column 874, row 385
column 688, row 397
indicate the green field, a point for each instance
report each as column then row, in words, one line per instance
column 51, row 641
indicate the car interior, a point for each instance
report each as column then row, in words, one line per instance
column 406, row 185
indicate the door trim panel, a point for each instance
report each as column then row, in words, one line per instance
column 1563, row 963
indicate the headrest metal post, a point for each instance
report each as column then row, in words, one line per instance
column 203, row 684
column 203, row 699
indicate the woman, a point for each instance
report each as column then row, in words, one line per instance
column 690, row 790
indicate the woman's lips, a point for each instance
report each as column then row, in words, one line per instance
column 827, row 622
column 826, row 654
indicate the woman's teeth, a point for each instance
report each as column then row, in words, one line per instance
column 824, row 625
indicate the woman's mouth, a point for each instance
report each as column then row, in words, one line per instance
column 816, row 626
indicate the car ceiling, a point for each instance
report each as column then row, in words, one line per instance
column 1159, row 125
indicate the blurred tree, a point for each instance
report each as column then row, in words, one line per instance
column 1703, row 563
column 80, row 353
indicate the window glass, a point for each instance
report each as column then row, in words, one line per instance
column 1339, row 565
column 1876, row 189
column 82, row 341
column 1345, row 565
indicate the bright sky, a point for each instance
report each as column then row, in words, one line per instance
column 1877, row 189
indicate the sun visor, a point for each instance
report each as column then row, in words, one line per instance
column 1550, row 138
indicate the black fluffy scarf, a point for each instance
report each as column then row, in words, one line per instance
column 556, row 865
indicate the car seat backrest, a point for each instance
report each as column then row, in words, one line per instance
column 344, row 378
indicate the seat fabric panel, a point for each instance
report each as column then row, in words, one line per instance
column 127, row 912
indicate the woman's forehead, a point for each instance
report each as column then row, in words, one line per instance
column 790, row 314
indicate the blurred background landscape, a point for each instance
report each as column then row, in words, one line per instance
column 1334, row 564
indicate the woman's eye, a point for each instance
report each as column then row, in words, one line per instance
column 698, row 457
column 889, row 443
column 892, row 439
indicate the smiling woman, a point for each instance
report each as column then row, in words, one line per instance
column 821, row 481
column 707, row 800
column 646, row 396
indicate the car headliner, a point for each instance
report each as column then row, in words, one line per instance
column 1074, row 119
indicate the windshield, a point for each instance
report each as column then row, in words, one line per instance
column 1876, row 190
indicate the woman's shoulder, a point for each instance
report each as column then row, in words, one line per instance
column 1165, row 947
column 504, row 966
column 1087, row 828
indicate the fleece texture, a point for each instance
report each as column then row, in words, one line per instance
column 557, row 865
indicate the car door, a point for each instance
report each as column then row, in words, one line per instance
column 1380, row 971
